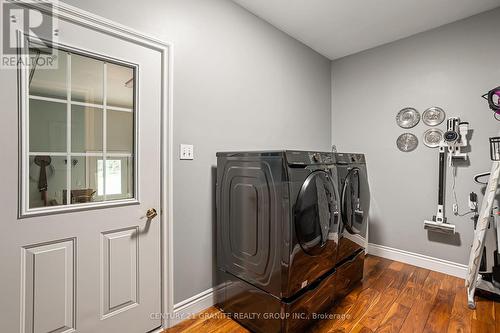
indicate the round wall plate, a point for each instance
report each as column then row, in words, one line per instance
column 407, row 142
column 408, row 118
column 433, row 116
column 432, row 137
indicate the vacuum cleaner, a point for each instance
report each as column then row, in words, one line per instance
column 454, row 139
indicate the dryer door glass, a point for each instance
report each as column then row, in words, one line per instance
column 351, row 201
column 315, row 212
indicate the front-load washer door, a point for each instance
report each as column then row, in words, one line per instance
column 355, row 201
column 315, row 215
column 315, row 212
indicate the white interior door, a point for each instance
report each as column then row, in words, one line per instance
column 81, row 166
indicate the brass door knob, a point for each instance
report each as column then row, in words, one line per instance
column 151, row 213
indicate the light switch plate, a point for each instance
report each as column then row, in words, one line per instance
column 186, row 152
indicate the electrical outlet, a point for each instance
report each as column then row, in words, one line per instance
column 186, row 152
column 455, row 209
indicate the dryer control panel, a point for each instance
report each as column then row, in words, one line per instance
column 309, row 157
column 349, row 158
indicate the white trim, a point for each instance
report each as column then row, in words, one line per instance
column 92, row 154
column 48, row 99
column 68, row 130
column 195, row 304
column 420, row 260
column 105, row 132
column 166, row 49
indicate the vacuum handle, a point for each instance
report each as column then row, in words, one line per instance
column 442, row 161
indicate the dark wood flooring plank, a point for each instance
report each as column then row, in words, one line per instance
column 361, row 329
column 439, row 316
column 479, row 326
column 192, row 322
column 497, row 317
column 397, row 266
column 394, row 319
column 385, row 280
column 209, row 321
column 379, row 268
column 232, row 327
column 485, row 311
column 413, row 287
column 417, row 317
column 401, row 279
column 340, row 308
column 430, row 288
column 370, row 263
column 376, row 314
column 365, row 301
column 461, row 315
column 419, row 276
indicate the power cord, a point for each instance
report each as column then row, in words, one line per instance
column 473, row 210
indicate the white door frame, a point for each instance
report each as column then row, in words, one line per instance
column 98, row 23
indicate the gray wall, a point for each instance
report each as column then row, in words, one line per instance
column 451, row 67
column 239, row 84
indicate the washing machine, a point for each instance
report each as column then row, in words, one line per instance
column 354, row 204
column 278, row 224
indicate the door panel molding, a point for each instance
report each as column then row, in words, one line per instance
column 48, row 287
column 119, row 271
column 86, row 19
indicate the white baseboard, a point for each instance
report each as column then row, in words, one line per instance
column 195, row 304
column 420, row 260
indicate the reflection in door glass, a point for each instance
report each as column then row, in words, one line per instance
column 117, row 181
column 120, row 131
column 86, row 129
column 87, row 75
column 120, row 84
column 47, row 181
column 48, row 126
column 49, row 83
column 83, row 180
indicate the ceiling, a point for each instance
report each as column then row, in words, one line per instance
column 336, row 28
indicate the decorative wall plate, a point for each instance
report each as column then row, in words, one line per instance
column 407, row 142
column 433, row 116
column 408, row 118
column 432, row 137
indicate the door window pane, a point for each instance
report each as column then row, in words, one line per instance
column 47, row 181
column 47, row 126
column 86, row 129
column 87, row 75
column 84, row 180
column 118, row 182
column 49, row 82
column 120, row 86
column 120, row 130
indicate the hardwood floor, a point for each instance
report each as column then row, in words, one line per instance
column 393, row 297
